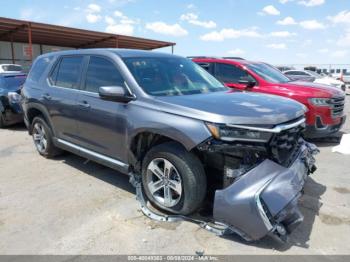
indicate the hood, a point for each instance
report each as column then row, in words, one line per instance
column 310, row 89
column 233, row 107
column 4, row 91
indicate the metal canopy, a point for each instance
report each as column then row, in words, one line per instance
column 38, row 33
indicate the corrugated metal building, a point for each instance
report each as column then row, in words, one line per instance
column 22, row 41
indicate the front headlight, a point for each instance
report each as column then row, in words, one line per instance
column 231, row 134
column 320, row 101
column 14, row 97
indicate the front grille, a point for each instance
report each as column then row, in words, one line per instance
column 285, row 144
column 337, row 105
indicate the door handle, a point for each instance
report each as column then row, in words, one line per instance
column 84, row 104
column 46, row 96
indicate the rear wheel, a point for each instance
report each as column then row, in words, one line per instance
column 2, row 122
column 173, row 179
column 42, row 137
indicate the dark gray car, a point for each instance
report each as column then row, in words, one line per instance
column 188, row 138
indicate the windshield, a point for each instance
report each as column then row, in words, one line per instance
column 314, row 74
column 268, row 73
column 14, row 68
column 164, row 76
column 10, row 82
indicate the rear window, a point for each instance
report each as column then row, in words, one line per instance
column 67, row 72
column 39, row 68
column 15, row 68
column 9, row 82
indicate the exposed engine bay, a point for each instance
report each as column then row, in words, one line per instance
column 255, row 184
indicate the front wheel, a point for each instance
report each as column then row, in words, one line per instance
column 173, row 179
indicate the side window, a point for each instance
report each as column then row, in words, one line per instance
column 206, row 66
column 102, row 72
column 67, row 72
column 39, row 68
column 230, row 73
column 300, row 73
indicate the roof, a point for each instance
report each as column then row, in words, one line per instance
column 103, row 51
column 236, row 61
column 47, row 34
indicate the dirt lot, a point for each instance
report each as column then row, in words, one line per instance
column 67, row 206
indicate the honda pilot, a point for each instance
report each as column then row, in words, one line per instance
column 165, row 120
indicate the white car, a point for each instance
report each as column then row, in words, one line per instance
column 345, row 77
column 317, row 78
column 10, row 68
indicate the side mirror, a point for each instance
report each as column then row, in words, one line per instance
column 247, row 82
column 115, row 93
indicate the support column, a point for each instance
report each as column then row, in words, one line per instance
column 116, row 42
column 172, row 49
column 30, row 42
column 12, row 50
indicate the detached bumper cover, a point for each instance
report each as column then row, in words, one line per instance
column 264, row 200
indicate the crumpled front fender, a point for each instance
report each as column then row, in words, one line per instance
column 265, row 197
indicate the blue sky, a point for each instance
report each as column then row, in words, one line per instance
column 276, row 31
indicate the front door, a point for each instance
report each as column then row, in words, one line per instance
column 230, row 75
column 102, row 124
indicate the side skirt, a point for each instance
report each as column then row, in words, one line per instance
column 91, row 155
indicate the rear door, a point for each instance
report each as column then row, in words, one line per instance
column 60, row 97
column 102, row 124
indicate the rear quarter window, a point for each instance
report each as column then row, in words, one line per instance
column 39, row 68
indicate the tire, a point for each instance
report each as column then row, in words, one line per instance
column 2, row 122
column 44, row 144
column 185, row 170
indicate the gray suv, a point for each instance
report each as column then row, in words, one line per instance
column 188, row 138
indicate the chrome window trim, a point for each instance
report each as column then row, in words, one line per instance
column 92, row 153
column 276, row 129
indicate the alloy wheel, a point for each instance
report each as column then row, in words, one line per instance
column 164, row 182
column 40, row 138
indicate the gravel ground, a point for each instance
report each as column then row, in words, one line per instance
column 68, row 206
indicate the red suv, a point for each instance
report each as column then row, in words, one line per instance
column 325, row 103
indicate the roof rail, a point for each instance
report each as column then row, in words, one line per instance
column 233, row 57
column 217, row 57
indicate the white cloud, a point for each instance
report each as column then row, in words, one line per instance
column 123, row 25
column 282, row 34
column 285, row 1
column 339, row 53
column 166, row 29
column 93, row 18
column 93, row 8
column 191, row 6
column 310, row 3
column 118, row 14
column 287, row 21
column 312, row 25
column 229, row 33
column 122, row 29
column 342, row 17
column 323, row 50
column 193, row 19
column 92, row 13
column 270, row 10
column 344, row 40
column 109, row 20
column 301, row 55
column 277, row 46
column 236, row 52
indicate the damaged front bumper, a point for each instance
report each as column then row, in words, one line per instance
column 264, row 200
